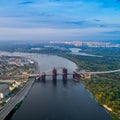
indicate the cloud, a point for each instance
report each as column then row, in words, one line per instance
column 115, row 32
column 96, row 20
column 55, row 34
column 60, row 18
column 25, row 3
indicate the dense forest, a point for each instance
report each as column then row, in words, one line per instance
column 106, row 52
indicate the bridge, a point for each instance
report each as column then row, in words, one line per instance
column 76, row 74
column 56, row 72
column 100, row 72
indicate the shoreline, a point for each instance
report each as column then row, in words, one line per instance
column 19, row 103
column 108, row 109
column 103, row 105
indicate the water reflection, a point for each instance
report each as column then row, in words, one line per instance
column 54, row 83
column 65, row 83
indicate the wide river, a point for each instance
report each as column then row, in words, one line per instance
column 58, row 101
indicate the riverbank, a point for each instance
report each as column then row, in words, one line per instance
column 58, row 61
column 17, row 106
column 10, row 115
column 101, row 94
column 16, row 99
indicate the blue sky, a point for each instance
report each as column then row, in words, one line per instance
column 59, row 19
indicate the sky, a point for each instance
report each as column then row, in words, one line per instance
column 60, row 20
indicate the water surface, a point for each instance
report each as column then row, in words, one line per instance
column 58, row 100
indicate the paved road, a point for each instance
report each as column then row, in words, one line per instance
column 16, row 99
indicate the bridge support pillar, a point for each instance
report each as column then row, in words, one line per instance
column 76, row 76
column 54, row 74
column 64, row 74
column 38, row 79
column 43, row 77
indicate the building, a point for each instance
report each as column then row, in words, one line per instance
column 12, row 84
column 4, row 91
column 87, row 76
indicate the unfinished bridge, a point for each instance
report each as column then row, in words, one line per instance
column 64, row 72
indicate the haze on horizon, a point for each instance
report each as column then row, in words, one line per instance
column 59, row 20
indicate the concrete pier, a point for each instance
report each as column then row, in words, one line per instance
column 54, row 74
column 76, row 76
column 64, row 74
column 43, row 77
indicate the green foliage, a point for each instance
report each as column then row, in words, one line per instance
column 114, row 117
column 106, row 52
column 93, row 63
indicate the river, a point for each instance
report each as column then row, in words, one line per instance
column 58, row 101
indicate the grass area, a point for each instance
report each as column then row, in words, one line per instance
column 114, row 116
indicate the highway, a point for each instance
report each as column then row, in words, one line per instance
column 16, row 99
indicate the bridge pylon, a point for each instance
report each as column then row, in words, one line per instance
column 39, row 78
column 76, row 76
column 43, row 77
column 65, row 73
column 54, row 74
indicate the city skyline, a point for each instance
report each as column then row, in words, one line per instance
column 59, row 20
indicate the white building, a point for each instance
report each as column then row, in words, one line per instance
column 4, row 91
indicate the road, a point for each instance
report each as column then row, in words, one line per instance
column 16, row 99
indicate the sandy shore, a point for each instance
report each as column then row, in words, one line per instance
column 108, row 108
